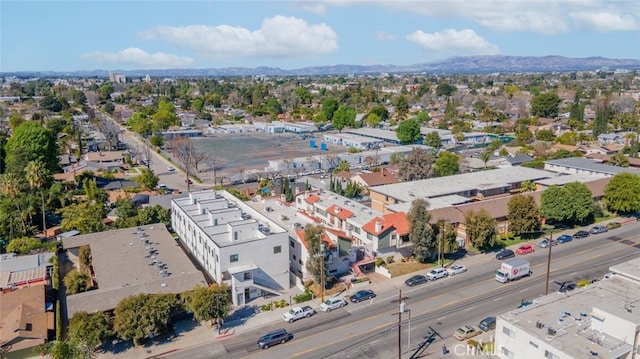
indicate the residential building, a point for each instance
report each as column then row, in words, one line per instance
column 26, row 321
column 355, row 141
column 574, row 165
column 372, row 179
column 234, row 243
column 596, row 321
column 22, row 271
column 127, row 262
column 451, row 190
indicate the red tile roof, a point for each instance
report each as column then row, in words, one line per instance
column 378, row 178
column 398, row 221
column 312, row 199
column 339, row 233
column 342, row 213
column 325, row 239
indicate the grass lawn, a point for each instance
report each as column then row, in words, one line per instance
column 400, row 268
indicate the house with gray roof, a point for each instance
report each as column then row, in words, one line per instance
column 575, row 165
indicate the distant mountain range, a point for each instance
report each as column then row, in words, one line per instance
column 466, row 64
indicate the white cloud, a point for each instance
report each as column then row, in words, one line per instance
column 133, row 56
column 313, row 7
column 278, row 37
column 605, row 21
column 463, row 42
column 384, row 36
column 540, row 16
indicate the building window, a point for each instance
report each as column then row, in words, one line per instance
column 508, row 332
column 300, row 261
column 235, row 236
column 356, row 229
column 292, row 243
column 550, row 355
column 277, row 249
column 533, row 345
column 294, row 257
column 215, row 222
column 369, row 236
column 233, row 258
column 506, row 352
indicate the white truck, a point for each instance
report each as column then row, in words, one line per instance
column 513, row 269
column 296, row 313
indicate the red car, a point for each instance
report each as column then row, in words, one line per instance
column 525, row 248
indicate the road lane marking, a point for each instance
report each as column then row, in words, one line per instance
column 497, row 299
column 523, row 290
column 433, row 310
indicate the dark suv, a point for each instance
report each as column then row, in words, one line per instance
column 504, row 254
column 581, row 234
column 279, row 336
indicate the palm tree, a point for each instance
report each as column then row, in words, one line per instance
column 9, row 186
column 528, row 186
column 37, row 175
column 485, row 156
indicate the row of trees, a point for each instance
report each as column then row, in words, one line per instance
column 137, row 318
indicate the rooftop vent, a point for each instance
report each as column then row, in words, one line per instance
column 539, row 325
column 551, row 331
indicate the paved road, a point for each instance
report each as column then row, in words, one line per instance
column 369, row 329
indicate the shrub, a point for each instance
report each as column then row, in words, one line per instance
column 265, row 307
column 306, row 296
column 359, row 280
column 379, row 261
column 583, row 283
column 283, row 303
column 390, row 260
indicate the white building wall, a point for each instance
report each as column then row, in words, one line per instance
column 253, row 247
column 512, row 343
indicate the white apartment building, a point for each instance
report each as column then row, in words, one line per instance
column 597, row 321
column 234, row 243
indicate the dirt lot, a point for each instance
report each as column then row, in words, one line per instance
column 235, row 153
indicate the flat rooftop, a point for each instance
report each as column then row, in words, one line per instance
column 564, row 320
column 562, row 180
column 449, row 185
column 130, row 261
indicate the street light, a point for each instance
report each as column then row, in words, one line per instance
column 546, row 288
column 404, row 309
column 322, row 269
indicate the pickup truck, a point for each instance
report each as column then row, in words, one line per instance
column 298, row 313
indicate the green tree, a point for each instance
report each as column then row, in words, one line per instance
column 447, row 164
column 313, row 236
column 402, row 106
column 23, row 245
column 445, row 89
column 207, row 303
column 76, row 281
column 381, row 112
column 622, row 193
column 329, row 106
column 432, row 139
column 544, row 135
column 528, row 186
column 423, row 117
column 153, row 214
column 408, row 131
column 342, row 166
column 105, row 91
column 343, row 117
column 157, row 141
column 10, row 187
column 140, row 123
column 619, row 159
column 138, row 317
column 91, row 330
column 523, row 216
column 197, row 105
column 31, row 142
column 485, row 156
column 372, row 120
column 571, row 202
column 480, row 228
column 421, row 232
column 562, row 153
column 545, row 105
column 38, row 176
column 147, row 179
column 84, row 217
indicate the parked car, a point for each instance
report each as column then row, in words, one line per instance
column 567, row 287
column 545, row 243
column 504, row 254
column 465, row 332
column 581, row 234
column 437, row 273
column 487, row 324
column 613, row 225
column 525, row 249
column 362, row 295
column 598, row 229
column 456, row 269
column 279, row 336
column 332, row 303
column 296, row 313
column 171, row 169
column 415, row 280
column 564, row 238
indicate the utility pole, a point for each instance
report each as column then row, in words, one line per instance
column 546, row 288
column 400, row 325
column 322, row 269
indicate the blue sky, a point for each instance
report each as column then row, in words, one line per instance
column 117, row 34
